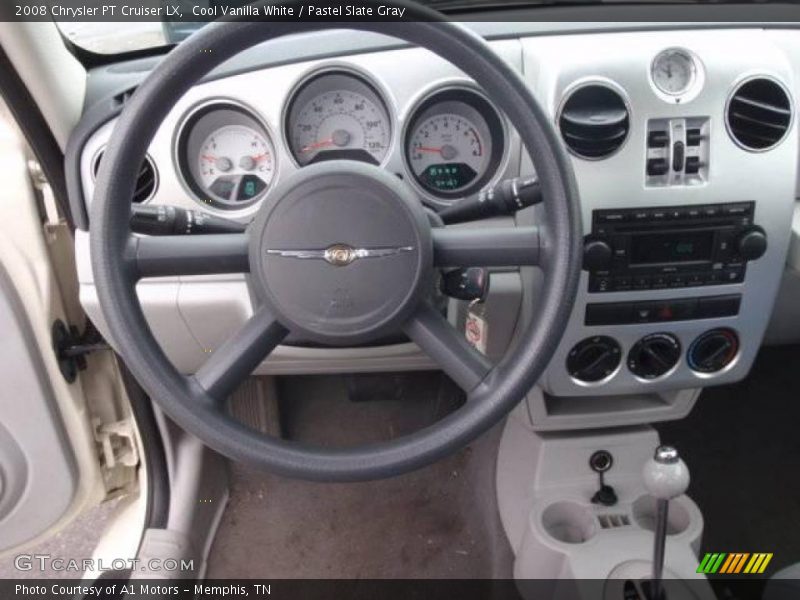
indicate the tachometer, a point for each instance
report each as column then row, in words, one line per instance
column 337, row 115
column 227, row 157
column 454, row 143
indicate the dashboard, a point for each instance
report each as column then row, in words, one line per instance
column 451, row 146
column 684, row 145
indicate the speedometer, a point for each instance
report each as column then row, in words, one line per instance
column 337, row 115
column 454, row 143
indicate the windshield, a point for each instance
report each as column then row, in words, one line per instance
column 126, row 36
column 115, row 38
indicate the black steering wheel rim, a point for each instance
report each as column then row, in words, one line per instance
column 186, row 402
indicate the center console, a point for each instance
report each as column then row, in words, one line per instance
column 687, row 200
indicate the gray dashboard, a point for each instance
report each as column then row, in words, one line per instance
column 191, row 316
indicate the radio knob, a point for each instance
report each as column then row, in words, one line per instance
column 596, row 255
column 752, row 244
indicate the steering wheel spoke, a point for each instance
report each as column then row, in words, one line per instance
column 486, row 247
column 238, row 357
column 444, row 344
column 160, row 256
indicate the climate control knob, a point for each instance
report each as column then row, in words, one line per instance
column 654, row 355
column 596, row 255
column 594, row 358
column 713, row 351
column 752, row 244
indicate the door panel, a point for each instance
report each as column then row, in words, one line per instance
column 49, row 466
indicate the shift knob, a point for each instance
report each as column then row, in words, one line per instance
column 665, row 475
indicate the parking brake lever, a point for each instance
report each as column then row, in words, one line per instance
column 171, row 220
column 506, row 198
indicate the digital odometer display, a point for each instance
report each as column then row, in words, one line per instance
column 448, row 177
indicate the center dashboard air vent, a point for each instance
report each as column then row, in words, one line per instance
column 146, row 182
column 759, row 113
column 594, row 121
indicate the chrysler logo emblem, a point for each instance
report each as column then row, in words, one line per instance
column 341, row 255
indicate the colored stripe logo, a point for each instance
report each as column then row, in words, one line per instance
column 734, row 563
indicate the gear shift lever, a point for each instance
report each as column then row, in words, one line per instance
column 666, row 477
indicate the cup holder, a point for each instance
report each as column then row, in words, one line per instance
column 644, row 513
column 569, row 522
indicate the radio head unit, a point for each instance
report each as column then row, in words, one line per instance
column 683, row 246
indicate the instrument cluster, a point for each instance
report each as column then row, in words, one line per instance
column 453, row 139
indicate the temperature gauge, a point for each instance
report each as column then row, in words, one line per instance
column 226, row 156
column 235, row 164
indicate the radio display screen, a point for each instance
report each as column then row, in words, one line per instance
column 656, row 248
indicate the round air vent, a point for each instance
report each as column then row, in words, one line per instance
column 145, row 184
column 594, row 121
column 759, row 114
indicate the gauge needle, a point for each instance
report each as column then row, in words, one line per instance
column 261, row 156
column 429, row 149
column 316, row 145
column 206, row 157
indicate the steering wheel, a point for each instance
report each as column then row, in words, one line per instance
column 341, row 253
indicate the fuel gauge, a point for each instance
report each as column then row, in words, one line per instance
column 226, row 156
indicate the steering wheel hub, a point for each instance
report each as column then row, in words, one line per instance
column 342, row 253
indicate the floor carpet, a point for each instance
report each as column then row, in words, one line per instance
column 438, row 522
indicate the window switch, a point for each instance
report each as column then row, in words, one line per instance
column 657, row 139
column 693, row 137
column 657, row 166
column 693, row 165
column 677, row 156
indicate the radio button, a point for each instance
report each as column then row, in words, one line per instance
column 736, row 210
column 622, row 284
column 641, row 283
column 734, row 275
column 612, row 217
column 600, row 284
column 676, row 281
column 696, row 279
column 659, row 281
